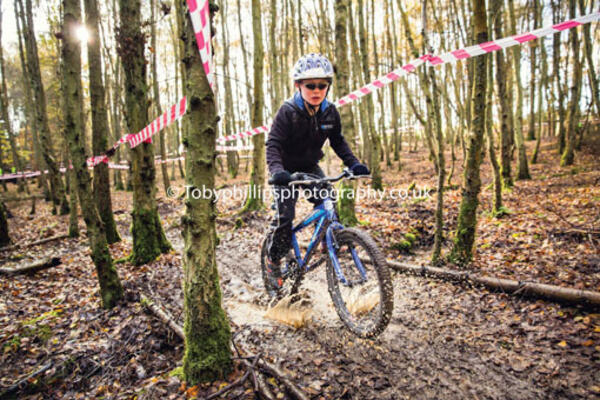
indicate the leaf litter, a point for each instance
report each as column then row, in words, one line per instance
column 444, row 340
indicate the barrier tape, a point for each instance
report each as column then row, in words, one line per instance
column 200, row 22
column 200, row 17
column 174, row 112
column 432, row 60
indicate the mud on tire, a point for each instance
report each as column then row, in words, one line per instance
column 365, row 308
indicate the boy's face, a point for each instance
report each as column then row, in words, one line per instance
column 313, row 91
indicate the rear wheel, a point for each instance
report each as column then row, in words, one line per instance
column 363, row 294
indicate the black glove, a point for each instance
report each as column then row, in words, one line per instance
column 360, row 169
column 281, row 178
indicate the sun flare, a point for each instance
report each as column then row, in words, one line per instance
column 82, row 34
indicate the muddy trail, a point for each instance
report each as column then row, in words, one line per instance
column 444, row 341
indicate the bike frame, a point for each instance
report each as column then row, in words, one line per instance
column 325, row 218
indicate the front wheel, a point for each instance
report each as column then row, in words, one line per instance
column 361, row 289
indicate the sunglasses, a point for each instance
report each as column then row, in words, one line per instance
column 313, row 86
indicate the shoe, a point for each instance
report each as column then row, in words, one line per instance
column 274, row 277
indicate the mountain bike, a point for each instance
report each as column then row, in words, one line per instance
column 358, row 278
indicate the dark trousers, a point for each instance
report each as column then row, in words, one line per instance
column 285, row 207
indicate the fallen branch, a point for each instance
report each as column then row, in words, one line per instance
column 533, row 289
column 37, row 242
column 277, row 373
column 262, row 364
column 162, row 315
column 24, row 381
column 31, row 268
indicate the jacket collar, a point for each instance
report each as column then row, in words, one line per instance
column 299, row 102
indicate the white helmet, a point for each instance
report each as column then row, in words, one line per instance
column 312, row 66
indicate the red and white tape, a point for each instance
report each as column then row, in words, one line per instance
column 515, row 40
column 200, row 21
column 234, row 148
column 432, row 60
column 200, row 16
column 175, row 112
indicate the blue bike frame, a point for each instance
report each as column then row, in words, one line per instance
column 324, row 215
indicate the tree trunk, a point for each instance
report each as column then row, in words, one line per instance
column 462, row 251
column 207, row 354
column 541, row 88
column 589, row 57
column 532, row 67
column 4, row 237
column 156, row 96
column 373, row 137
column 100, row 127
column 556, row 51
column 391, row 38
column 568, row 156
column 57, row 188
column 358, row 79
column 5, row 117
column 233, row 159
column 149, row 239
column 74, row 209
column 245, row 57
column 497, row 202
column 37, row 162
column 257, row 176
column 522, row 167
column 434, row 118
column 346, row 202
column 110, row 285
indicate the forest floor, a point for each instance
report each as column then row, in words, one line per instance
column 444, row 341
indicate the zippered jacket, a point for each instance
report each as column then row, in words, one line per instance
column 296, row 138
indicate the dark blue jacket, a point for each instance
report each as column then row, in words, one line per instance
column 296, row 138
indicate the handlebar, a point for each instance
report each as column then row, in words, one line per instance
column 301, row 178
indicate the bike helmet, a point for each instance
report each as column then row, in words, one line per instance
column 312, row 66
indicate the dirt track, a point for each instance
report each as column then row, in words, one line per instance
column 444, row 341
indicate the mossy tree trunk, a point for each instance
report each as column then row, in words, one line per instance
column 522, row 163
column 156, row 98
column 257, row 175
column 4, row 237
column 37, row 161
column 149, row 239
column 207, row 334
column 568, row 156
column 110, row 285
column 346, row 202
column 462, row 251
column 497, row 202
column 505, row 98
column 74, row 209
column 57, row 188
column 99, row 123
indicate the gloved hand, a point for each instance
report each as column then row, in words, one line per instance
column 360, row 169
column 281, row 178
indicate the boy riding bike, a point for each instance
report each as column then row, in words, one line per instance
column 298, row 133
